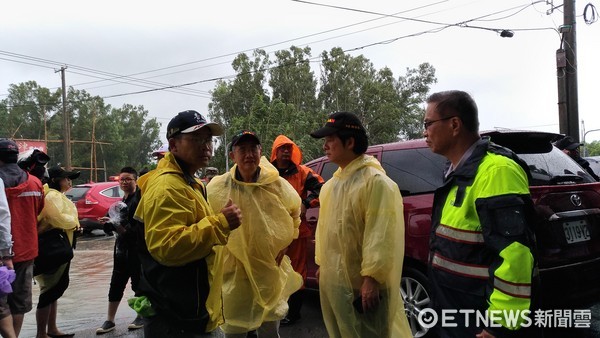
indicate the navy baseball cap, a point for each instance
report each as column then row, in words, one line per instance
column 189, row 121
column 8, row 146
column 337, row 122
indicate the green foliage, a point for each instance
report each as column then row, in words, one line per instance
column 389, row 107
column 592, row 148
column 125, row 136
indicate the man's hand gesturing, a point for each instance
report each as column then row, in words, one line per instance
column 233, row 214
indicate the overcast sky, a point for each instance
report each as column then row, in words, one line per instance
column 175, row 42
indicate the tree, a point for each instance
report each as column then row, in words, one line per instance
column 25, row 110
column 236, row 97
column 126, row 135
column 389, row 107
column 592, row 148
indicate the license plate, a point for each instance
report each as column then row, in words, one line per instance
column 576, row 231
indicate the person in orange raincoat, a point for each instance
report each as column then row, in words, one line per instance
column 286, row 156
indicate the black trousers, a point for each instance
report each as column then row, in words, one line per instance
column 126, row 265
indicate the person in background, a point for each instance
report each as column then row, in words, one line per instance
column 257, row 278
column 34, row 162
column 126, row 262
column 25, row 197
column 209, row 173
column 481, row 242
column 286, row 156
column 5, row 236
column 58, row 213
column 183, row 237
column 571, row 148
column 359, row 239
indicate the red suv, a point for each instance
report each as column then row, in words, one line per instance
column 93, row 200
column 567, row 201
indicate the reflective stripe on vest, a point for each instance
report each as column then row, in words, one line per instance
column 458, row 235
column 521, row 290
column 30, row 193
column 458, row 268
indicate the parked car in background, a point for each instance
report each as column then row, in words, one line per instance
column 594, row 163
column 566, row 198
column 93, row 200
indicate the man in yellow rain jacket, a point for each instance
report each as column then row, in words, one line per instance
column 257, row 278
column 480, row 247
column 359, row 239
column 183, row 237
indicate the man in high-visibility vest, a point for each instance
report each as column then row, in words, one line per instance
column 481, row 241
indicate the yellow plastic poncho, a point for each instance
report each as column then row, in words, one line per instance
column 58, row 213
column 255, row 289
column 361, row 233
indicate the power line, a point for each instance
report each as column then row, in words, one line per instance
column 462, row 24
column 207, row 59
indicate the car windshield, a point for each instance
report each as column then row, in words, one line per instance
column 555, row 167
column 76, row 193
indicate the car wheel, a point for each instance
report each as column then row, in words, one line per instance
column 414, row 289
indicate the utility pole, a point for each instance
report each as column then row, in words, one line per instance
column 66, row 124
column 566, row 66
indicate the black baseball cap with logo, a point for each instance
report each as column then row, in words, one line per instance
column 243, row 135
column 337, row 122
column 189, row 121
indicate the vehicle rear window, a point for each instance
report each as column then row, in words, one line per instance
column 555, row 167
column 416, row 171
column 113, row 192
column 76, row 193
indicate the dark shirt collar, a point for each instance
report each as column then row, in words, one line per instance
column 238, row 175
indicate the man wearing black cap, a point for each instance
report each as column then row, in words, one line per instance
column 180, row 253
column 25, row 197
column 571, row 148
column 257, row 279
column 359, row 239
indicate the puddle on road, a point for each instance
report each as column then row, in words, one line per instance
column 85, row 301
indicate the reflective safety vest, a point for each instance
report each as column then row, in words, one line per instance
column 481, row 236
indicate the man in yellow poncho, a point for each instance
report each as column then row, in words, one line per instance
column 182, row 239
column 359, row 239
column 257, row 278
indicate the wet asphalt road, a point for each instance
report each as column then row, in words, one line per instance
column 83, row 306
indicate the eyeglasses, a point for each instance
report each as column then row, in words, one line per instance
column 126, row 180
column 201, row 140
column 427, row 124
